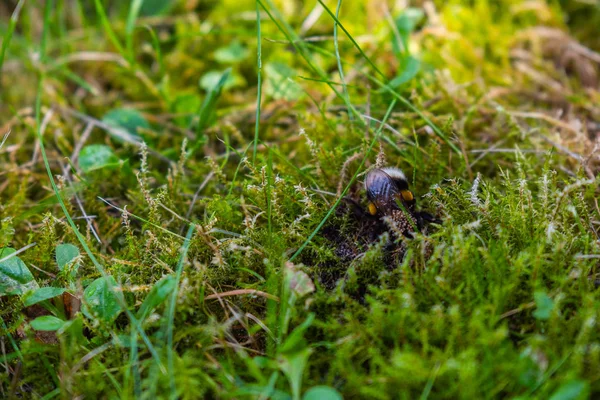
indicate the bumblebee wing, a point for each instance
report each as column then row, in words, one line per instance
column 381, row 189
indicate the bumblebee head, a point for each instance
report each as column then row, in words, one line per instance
column 386, row 189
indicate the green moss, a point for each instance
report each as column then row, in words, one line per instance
column 496, row 135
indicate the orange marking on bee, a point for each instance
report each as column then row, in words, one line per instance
column 407, row 195
column 372, row 209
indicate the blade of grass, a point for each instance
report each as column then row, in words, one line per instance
column 306, row 78
column 299, row 45
column 259, row 83
column 157, row 50
column 134, row 11
column 301, row 48
column 51, row 395
column 348, row 186
column 430, row 381
column 78, row 80
column 237, row 169
column 389, row 89
column 9, row 32
column 110, row 377
column 268, row 195
column 337, row 22
column 550, row 372
column 81, row 13
column 107, row 28
column 337, row 55
column 13, row 343
column 428, row 121
column 394, row 93
column 293, row 166
column 209, row 104
column 134, row 368
column 50, row 369
column 171, row 311
column 38, row 112
column 277, row 154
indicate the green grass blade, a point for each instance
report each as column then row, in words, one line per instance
column 52, row 394
column 9, row 32
column 134, row 11
column 107, row 27
column 259, row 83
column 389, row 89
column 171, row 312
column 80, row 237
column 210, row 103
column 299, row 45
column 157, row 50
column 338, row 23
column 428, row 121
column 13, row 343
column 337, row 55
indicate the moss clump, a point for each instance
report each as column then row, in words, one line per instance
column 281, row 288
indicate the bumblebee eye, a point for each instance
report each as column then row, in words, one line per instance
column 372, row 209
column 406, row 195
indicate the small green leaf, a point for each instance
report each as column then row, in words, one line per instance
column 295, row 341
column 97, row 156
column 209, row 106
column 410, row 68
column 573, row 390
column 156, row 7
column 250, row 391
column 124, row 341
column 127, row 119
column 234, row 53
column 405, row 25
column 409, row 19
column 15, row 277
column 279, row 82
column 211, row 79
column 99, row 301
column 189, row 104
column 293, row 355
column 322, row 393
column 41, row 294
column 292, row 365
column 66, row 254
column 159, row 293
column 47, row 323
column 74, row 329
column 262, row 362
column 544, row 305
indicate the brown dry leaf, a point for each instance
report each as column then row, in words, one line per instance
column 71, row 303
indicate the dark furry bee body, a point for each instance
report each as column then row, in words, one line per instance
column 390, row 199
column 385, row 187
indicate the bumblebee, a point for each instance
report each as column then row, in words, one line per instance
column 387, row 188
column 390, row 199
